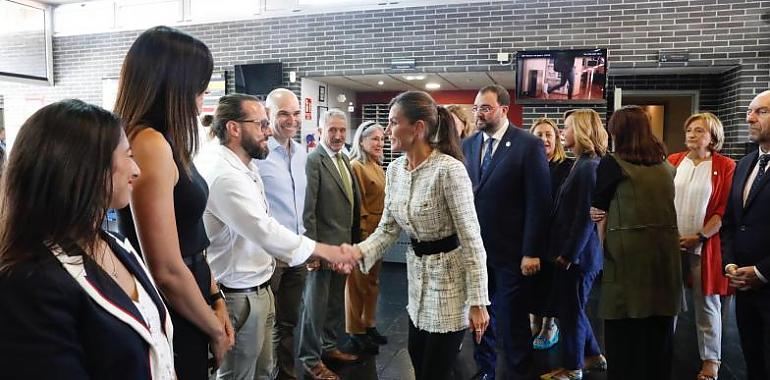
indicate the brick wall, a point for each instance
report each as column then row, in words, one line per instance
column 464, row 38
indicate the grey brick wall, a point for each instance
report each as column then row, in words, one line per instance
column 465, row 38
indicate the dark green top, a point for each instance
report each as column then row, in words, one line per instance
column 642, row 263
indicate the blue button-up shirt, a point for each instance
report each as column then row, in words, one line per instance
column 283, row 174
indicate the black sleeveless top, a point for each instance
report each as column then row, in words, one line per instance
column 190, row 196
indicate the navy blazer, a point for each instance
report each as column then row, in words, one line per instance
column 745, row 228
column 50, row 328
column 513, row 198
column 573, row 234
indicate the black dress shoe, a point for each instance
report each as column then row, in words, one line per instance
column 376, row 337
column 362, row 344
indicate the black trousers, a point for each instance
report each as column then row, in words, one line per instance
column 433, row 354
column 752, row 313
column 639, row 348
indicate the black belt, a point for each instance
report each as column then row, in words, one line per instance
column 194, row 259
column 245, row 290
column 425, row 248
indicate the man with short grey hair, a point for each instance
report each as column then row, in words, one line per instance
column 331, row 216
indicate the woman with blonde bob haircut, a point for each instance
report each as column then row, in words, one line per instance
column 575, row 245
column 703, row 180
column 541, row 320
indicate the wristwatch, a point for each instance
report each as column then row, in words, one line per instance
column 219, row 295
column 701, row 237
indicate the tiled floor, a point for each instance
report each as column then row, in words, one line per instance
column 393, row 361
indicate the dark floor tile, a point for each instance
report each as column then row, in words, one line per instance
column 393, row 361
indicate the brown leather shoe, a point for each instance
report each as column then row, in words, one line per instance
column 320, row 372
column 339, row 356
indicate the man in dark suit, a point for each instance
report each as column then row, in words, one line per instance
column 744, row 242
column 512, row 190
column 331, row 216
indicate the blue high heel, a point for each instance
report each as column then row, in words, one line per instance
column 541, row 343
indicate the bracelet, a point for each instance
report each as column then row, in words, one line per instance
column 219, row 295
column 701, row 237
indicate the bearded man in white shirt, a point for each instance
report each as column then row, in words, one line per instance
column 245, row 239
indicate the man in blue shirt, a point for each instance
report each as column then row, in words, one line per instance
column 283, row 173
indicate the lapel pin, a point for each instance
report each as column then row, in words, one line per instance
column 507, row 144
column 715, row 173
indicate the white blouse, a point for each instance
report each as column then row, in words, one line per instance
column 429, row 203
column 149, row 311
column 693, row 190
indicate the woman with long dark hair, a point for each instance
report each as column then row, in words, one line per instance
column 162, row 82
column 642, row 278
column 428, row 195
column 77, row 301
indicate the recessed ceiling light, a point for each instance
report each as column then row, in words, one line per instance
column 414, row 77
column 380, row 83
column 432, row 86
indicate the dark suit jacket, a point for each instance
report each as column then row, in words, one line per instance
column 745, row 229
column 573, row 233
column 51, row 328
column 513, row 198
column 327, row 214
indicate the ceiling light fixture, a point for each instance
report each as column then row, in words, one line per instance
column 414, row 77
column 432, row 86
column 380, row 83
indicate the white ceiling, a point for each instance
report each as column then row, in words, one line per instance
column 398, row 82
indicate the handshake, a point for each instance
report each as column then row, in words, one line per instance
column 341, row 258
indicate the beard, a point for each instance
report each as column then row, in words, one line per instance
column 257, row 150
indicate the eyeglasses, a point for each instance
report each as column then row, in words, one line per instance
column 483, row 109
column 760, row 112
column 264, row 123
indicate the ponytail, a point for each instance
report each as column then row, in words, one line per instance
column 447, row 141
column 441, row 133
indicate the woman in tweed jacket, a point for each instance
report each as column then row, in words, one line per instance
column 428, row 195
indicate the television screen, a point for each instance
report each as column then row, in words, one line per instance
column 561, row 76
column 258, row 79
column 24, row 41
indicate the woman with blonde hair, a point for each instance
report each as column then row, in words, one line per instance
column 559, row 165
column 703, row 179
column 575, row 246
column 463, row 122
column 362, row 290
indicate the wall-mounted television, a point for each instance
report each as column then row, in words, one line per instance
column 259, row 78
column 561, row 76
column 25, row 42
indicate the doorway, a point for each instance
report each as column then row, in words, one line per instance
column 668, row 110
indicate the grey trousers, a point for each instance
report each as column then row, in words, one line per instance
column 323, row 315
column 710, row 311
column 252, row 315
column 287, row 283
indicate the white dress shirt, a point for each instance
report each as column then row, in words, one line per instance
column 752, row 177
column 429, row 203
column 334, row 159
column 498, row 136
column 244, row 237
